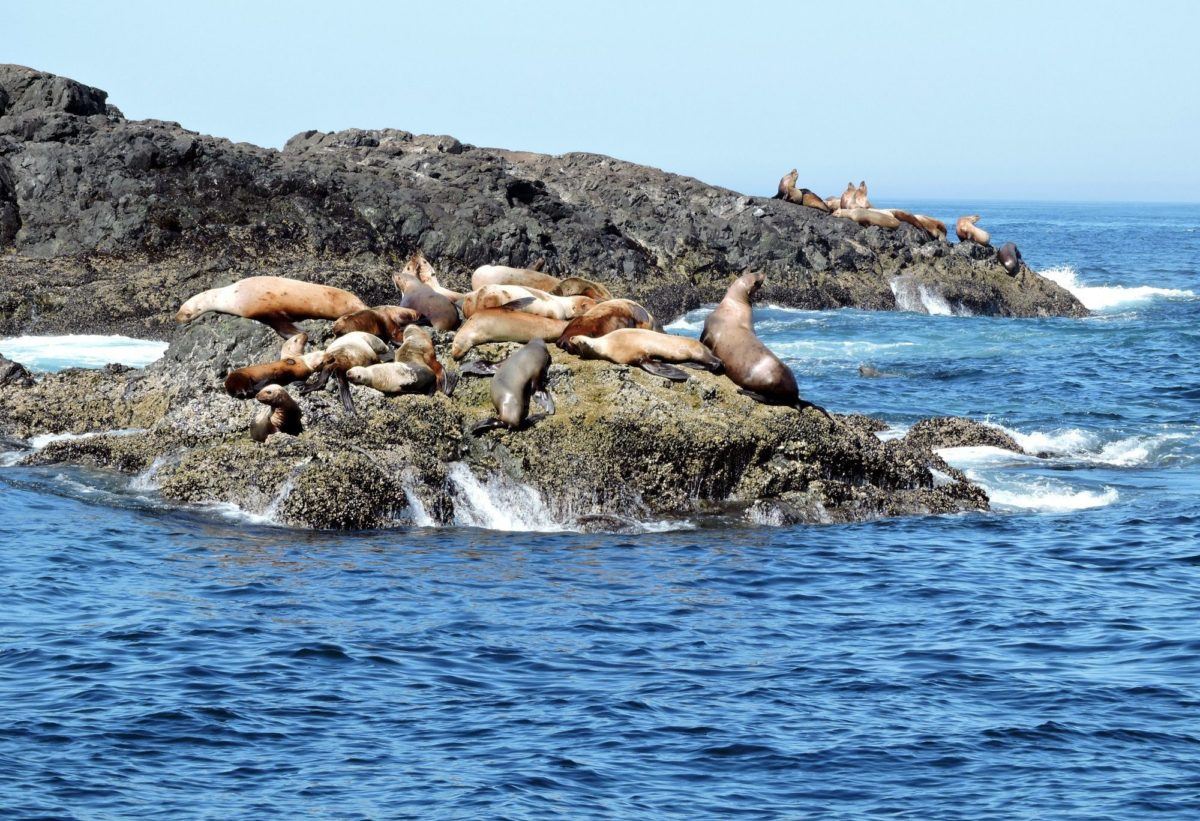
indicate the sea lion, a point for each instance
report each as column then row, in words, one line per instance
column 605, row 318
column 860, row 196
column 911, row 219
column 528, row 300
column 504, row 275
column 538, row 264
column 968, row 231
column 868, row 216
column 281, row 414
column 415, row 369
column 521, row 376
column 578, row 286
column 833, row 203
column 849, row 197
column 934, row 226
column 384, row 321
column 275, row 301
column 438, row 309
column 355, row 349
column 786, row 184
column 499, row 325
column 648, row 350
column 421, row 268
column 810, row 199
column 1010, row 258
column 292, row 366
column 729, row 333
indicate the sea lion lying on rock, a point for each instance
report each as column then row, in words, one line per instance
column 968, row 231
column 355, row 349
column 500, row 325
column 867, row 217
column 504, row 275
column 438, row 309
column 422, row 269
column 605, row 318
column 275, row 301
column 384, row 321
column 648, row 350
column 415, row 369
column 293, row 365
column 578, row 286
column 528, row 300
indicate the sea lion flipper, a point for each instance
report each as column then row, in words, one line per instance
column 663, row 369
column 695, row 366
column 532, row 420
column 448, row 382
column 344, row 392
column 757, row 397
column 283, row 326
column 537, row 264
column 801, row 404
column 477, row 367
column 486, row 425
column 518, row 304
column 544, row 400
column 318, row 382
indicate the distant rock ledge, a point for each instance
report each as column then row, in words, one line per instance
column 107, row 224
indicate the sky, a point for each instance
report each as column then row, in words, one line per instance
column 967, row 100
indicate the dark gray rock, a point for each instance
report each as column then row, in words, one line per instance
column 14, row 373
column 955, row 432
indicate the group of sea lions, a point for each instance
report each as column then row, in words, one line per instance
column 505, row 305
column 853, row 204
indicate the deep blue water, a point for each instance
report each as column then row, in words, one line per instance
column 1041, row 661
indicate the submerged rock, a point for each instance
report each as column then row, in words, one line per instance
column 957, row 432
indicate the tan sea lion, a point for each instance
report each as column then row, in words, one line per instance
column 933, row 226
column 499, row 325
column 282, row 414
column 867, row 217
column 849, row 197
column 504, row 275
column 786, row 184
column 385, row 321
column 648, row 350
column 292, row 366
column 415, row 369
column 438, row 309
column 605, row 318
column 833, row 203
column 529, row 300
column 538, row 264
column 968, row 231
column 421, row 268
column 275, row 301
column 355, row 349
column 729, row 333
column 578, row 286
column 520, row 377
column 860, row 196
column 905, row 216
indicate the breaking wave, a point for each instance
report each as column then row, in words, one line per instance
column 55, row 353
column 1107, row 297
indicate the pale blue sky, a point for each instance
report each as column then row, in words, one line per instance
column 1019, row 100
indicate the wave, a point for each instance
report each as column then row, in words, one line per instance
column 917, row 298
column 1089, row 446
column 1107, row 297
column 1040, row 495
column 54, row 353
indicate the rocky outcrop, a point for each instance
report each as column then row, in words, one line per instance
column 14, row 373
column 107, row 224
column 623, row 444
column 957, row 432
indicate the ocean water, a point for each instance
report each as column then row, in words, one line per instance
column 1039, row 661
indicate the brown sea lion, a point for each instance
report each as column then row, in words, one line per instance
column 499, row 325
column 911, row 219
column 833, row 203
column 968, row 231
column 786, row 184
column 867, row 217
column 292, row 366
column 385, row 321
column 538, row 264
column 849, row 197
column 438, row 309
column 1010, row 258
column 578, row 286
column 648, row 350
column 605, row 318
column 522, row 376
column 860, row 196
column 355, row 349
column 729, row 333
column 415, row 369
column 421, row 268
column 528, row 300
column 504, row 275
column 933, row 226
column 275, row 301
column 282, row 414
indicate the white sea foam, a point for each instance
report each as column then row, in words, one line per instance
column 1087, row 446
column 1107, row 297
column 53, row 353
column 893, row 432
column 1038, row 494
column 917, row 298
column 498, row 503
column 40, row 441
column 971, row 456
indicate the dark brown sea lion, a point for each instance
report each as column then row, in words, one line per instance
column 729, row 333
column 968, row 231
column 934, row 226
column 1010, row 258
column 499, row 325
column 520, row 377
column 282, row 414
column 605, row 318
column 438, row 309
column 385, row 321
column 648, row 350
column 292, row 366
column 275, row 301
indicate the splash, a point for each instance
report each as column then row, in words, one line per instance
column 498, row 503
column 1108, row 297
column 54, row 353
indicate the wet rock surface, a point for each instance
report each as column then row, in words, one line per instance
column 623, row 445
column 108, row 224
column 957, row 432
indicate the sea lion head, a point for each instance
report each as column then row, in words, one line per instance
column 584, row 346
column 578, row 286
column 419, row 267
column 271, row 395
column 358, row 376
column 189, row 310
column 749, row 283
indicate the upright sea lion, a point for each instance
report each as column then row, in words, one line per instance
column 499, row 325
column 435, row 307
column 860, row 196
column 275, row 301
column 729, row 333
column 292, row 366
column 786, row 184
column 528, row 300
column 385, row 321
column 605, row 318
column 353, row 350
column 578, row 286
column 1010, row 258
column 521, row 376
column 415, row 369
column 282, row 414
column 867, row 217
column 421, row 268
column 849, row 198
column 967, row 230
column 648, row 350
column 503, row 275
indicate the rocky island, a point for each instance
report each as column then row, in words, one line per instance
column 108, row 224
